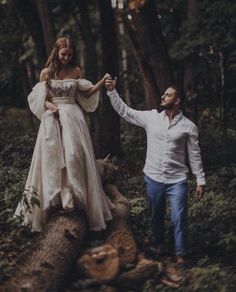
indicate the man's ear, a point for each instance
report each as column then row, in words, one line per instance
column 177, row 101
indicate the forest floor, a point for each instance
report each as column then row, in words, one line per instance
column 212, row 237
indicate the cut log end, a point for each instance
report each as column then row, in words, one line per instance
column 100, row 263
column 124, row 243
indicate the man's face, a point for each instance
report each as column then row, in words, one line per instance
column 168, row 99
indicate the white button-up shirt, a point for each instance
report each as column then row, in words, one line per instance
column 169, row 145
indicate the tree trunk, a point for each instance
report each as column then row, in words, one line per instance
column 90, row 67
column 29, row 79
column 152, row 92
column 189, row 82
column 145, row 28
column 48, row 262
column 223, row 93
column 89, row 38
column 124, row 59
column 28, row 11
column 47, row 24
column 109, row 137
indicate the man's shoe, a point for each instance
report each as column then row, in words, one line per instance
column 154, row 253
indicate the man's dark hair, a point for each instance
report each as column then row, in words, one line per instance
column 178, row 92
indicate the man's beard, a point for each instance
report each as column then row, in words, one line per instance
column 168, row 106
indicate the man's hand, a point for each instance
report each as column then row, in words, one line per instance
column 110, row 83
column 200, row 191
column 107, row 75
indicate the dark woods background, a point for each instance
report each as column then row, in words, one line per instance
column 149, row 45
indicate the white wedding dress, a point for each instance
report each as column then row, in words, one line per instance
column 63, row 169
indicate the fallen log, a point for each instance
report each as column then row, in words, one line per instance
column 100, row 263
column 107, row 170
column 120, row 247
column 144, row 270
column 119, row 234
column 46, row 265
column 147, row 269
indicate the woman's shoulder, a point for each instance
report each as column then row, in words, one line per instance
column 43, row 74
column 77, row 73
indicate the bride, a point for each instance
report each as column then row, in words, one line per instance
column 63, row 171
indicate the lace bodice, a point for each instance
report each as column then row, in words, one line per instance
column 67, row 87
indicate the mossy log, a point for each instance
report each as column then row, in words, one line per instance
column 46, row 265
column 119, row 234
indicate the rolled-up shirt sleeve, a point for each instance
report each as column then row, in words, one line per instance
column 194, row 155
column 132, row 116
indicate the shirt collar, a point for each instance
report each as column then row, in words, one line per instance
column 176, row 118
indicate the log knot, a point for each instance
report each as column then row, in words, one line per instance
column 71, row 234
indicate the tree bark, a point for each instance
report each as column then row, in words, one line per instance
column 100, row 263
column 103, row 263
column 90, row 67
column 28, row 11
column 119, row 234
column 151, row 52
column 144, row 270
column 46, row 265
column 109, row 137
column 48, row 262
column 47, row 24
column 189, row 82
column 90, row 39
column 223, row 93
column 152, row 92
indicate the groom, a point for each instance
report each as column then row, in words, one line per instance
column 171, row 140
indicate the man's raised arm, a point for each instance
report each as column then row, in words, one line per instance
column 130, row 115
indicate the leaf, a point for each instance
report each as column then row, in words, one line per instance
column 34, row 201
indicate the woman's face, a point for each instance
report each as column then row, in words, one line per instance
column 65, row 55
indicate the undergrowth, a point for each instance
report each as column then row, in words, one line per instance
column 212, row 237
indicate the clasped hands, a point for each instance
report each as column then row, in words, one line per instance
column 109, row 82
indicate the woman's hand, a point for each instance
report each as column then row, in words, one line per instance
column 53, row 108
column 110, row 83
column 107, row 75
column 96, row 87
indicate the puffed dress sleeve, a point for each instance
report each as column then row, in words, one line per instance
column 88, row 104
column 37, row 98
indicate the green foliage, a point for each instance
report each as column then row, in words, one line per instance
column 212, row 278
column 15, row 46
column 211, row 220
column 202, row 34
column 16, row 146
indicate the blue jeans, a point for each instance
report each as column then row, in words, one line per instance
column 177, row 195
